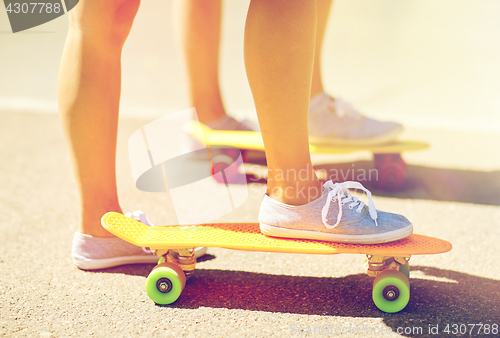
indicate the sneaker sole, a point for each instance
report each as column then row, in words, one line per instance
column 97, row 264
column 392, row 236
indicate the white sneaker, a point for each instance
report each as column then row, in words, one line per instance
column 336, row 216
column 335, row 121
column 93, row 253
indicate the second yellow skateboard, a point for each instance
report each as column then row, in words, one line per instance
column 387, row 157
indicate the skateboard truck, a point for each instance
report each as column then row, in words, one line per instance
column 378, row 263
column 184, row 258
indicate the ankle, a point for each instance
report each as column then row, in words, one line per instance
column 295, row 192
column 209, row 112
column 91, row 221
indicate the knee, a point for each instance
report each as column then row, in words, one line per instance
column 109, row 20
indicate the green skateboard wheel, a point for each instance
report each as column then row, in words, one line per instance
column 165, row 283
column 391, row 291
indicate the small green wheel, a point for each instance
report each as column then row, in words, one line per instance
column 405, row 270
column 165, row 283
column 391, row 291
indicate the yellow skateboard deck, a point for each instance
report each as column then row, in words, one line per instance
column 387, row 156
column 174, row 245
column 252, row 140
column 247, row 237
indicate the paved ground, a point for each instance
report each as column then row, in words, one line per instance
column 453, row 190
column 233, row 293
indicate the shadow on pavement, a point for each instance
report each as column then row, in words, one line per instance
column 455, row 296
column 131, row 270
column 439, row 184
column 446, row 297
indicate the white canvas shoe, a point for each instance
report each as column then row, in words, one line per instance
column 335, row 121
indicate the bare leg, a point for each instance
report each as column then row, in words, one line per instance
column 88, row 94
column 323, row 11
column 199, row 23
column 279, row 52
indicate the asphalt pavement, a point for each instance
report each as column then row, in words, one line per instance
column 445, row 92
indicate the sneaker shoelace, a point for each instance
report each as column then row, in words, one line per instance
column 343, row 108
column 339, row 192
